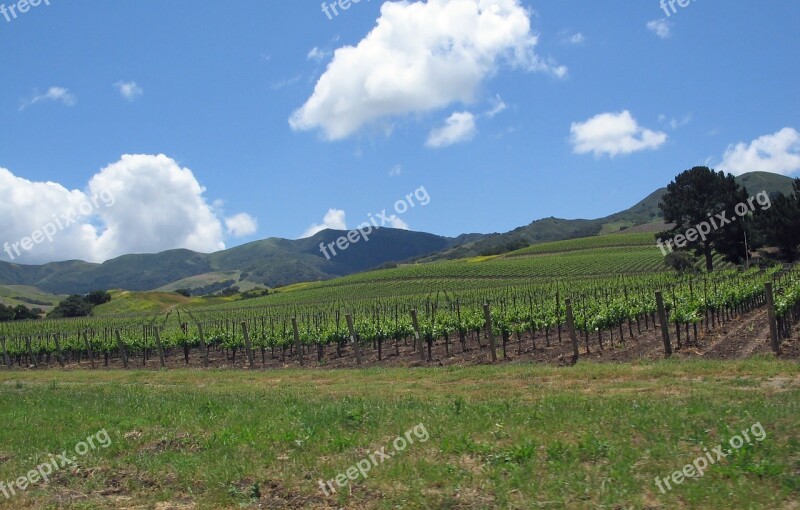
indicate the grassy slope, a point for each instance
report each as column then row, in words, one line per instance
column 126, row 302
column 645, row 215
column 626, row 253
column 596, row 256
column 591, row 436
column 30, row 297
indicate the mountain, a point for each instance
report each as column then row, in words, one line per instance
column 644, row 216
column 268, row 263
column 278, row 262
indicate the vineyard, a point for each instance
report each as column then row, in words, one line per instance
column 533, row 321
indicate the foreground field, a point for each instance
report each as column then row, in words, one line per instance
column 519, row 436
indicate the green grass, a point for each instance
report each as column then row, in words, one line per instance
column 595, row 256
column 591, row 436
column 631, row 241
column 30, row 297
column 126, row 302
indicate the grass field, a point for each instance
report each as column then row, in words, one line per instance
column 30, row 297
column 126, row 302
column 590, row 436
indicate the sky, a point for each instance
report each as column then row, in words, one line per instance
column 141, row 126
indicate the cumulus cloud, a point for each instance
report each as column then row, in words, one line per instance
column 241, row 225
column 56, row 94
column 612, row 134
column 459, row 127
column 420, row 57
column 129, row 90
column 140, row 204
column 396, row 170
column 777, row 153
column 661, row 27
column 334, row 219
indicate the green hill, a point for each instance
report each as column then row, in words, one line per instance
column 601, row 256
column 281, row 262
column 645, row 216
column 268, row 263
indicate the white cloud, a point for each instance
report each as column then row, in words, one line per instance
column 661, row 27
column 459, row 127
column 53, row 94
column 396, row 170
column 675, row 123
column 317, row 54
column 395, row 222
column 241, row 225
column 498, row 106
column 777, row 153
column 129, row 90
column 420, row 57
column 140, row 204
column 286, row 83
column 575, row 39
column 612, row 134
column 334, row 219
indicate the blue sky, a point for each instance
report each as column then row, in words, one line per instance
column 506, row 111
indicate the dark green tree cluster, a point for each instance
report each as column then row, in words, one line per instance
column 779, row 226
column 19, row 313
column 695, row 197
column 79, row 306
column 701, row 196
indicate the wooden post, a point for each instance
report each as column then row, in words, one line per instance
column 121, row 347
column 248, row 347
column 160, row 347
column 297, row 346
column 356, row 343
column 571, row 327
column 773, row 322
column 203, row 346
column 88, row 348
column 30, row 352
column 662, row 316
column 5, row 354
column 558, row 314
column 58, row 350
column 417, row 336
column 487, row 314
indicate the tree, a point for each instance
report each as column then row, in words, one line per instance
column 701, row 204
column 681, row 261
column 184, row 292
column 21, row 313
column 780, row 224
column 6, row 313
column 98, row 297
column 73, row 306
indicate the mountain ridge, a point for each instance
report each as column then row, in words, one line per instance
column 275, row 262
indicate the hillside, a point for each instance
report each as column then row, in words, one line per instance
column 278, row 262
column 645, row 216
column 594, row 257
column 268, row 263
